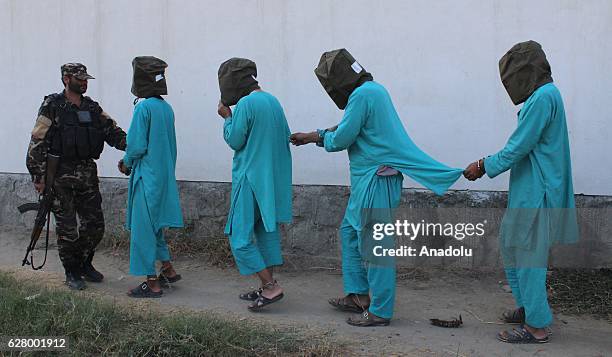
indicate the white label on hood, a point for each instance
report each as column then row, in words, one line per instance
column 356, row 67
column 159, row 77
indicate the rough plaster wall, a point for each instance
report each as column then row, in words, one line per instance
column 438, row 59
column 313, row 237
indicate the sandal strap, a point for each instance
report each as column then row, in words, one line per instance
column 520, row 334
column 257, row 292
column 261, row 300
column 142, row 287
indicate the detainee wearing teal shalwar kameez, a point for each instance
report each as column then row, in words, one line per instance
column 541, row 197
column 261, row 197
column 380, row 152
column 153, row 198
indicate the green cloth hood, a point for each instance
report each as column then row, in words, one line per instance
column 236, row 79
column 149, row 77
column 523, row 69
column 339, row 74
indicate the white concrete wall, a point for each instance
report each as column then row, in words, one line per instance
column 438, row 59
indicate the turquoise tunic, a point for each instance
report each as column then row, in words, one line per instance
column 374, row 136
column 259, row 134
column 541, row 209
column 151, row 154
column 541, row 195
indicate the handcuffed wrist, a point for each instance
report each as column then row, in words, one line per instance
column 321, row 137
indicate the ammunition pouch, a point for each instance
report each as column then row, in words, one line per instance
column 80, row 135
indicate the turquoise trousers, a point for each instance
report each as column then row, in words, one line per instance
column 253, row 248
column 529, row 291
column 146, row 245
column 525, row 269
column 358, row 275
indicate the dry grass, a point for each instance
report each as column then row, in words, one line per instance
column 582, row 291
column 214, row 251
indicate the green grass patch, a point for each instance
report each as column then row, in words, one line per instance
column 96, row 326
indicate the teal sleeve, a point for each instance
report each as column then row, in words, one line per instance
column 138, row 136
column 349, row 128
column 236, row 128
column 535, row 118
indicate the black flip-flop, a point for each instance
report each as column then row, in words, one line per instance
column 251, row 295
column 263, row 301
column 520, row 336
column 144, row 291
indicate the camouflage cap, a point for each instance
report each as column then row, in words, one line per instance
column 77, row 70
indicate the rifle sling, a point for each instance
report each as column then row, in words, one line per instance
column 46, row 245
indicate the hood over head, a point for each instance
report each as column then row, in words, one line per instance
column 236, row 79
column 339, row 74
column 149, row 77
column 523, row 69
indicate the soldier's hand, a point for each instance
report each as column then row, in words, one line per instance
column 223, row 110
column 39, row 187
column 122, row 168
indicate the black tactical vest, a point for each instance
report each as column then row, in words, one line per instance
column 79, row 135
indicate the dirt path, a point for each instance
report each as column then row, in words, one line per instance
column 305, row 307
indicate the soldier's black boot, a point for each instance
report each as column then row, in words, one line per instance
column 74, row 280
column 89, row 272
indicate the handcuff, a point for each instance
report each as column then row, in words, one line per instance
column 321, row 134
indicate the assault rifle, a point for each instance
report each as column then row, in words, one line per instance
column 43, row 207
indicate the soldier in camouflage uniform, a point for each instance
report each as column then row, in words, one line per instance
column 74, row 127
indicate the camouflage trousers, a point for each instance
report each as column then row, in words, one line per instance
column 78, row 196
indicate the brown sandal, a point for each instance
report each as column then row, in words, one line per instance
column 349, row 303
column 367, row 319
column 165, row 281
column 516, row 316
